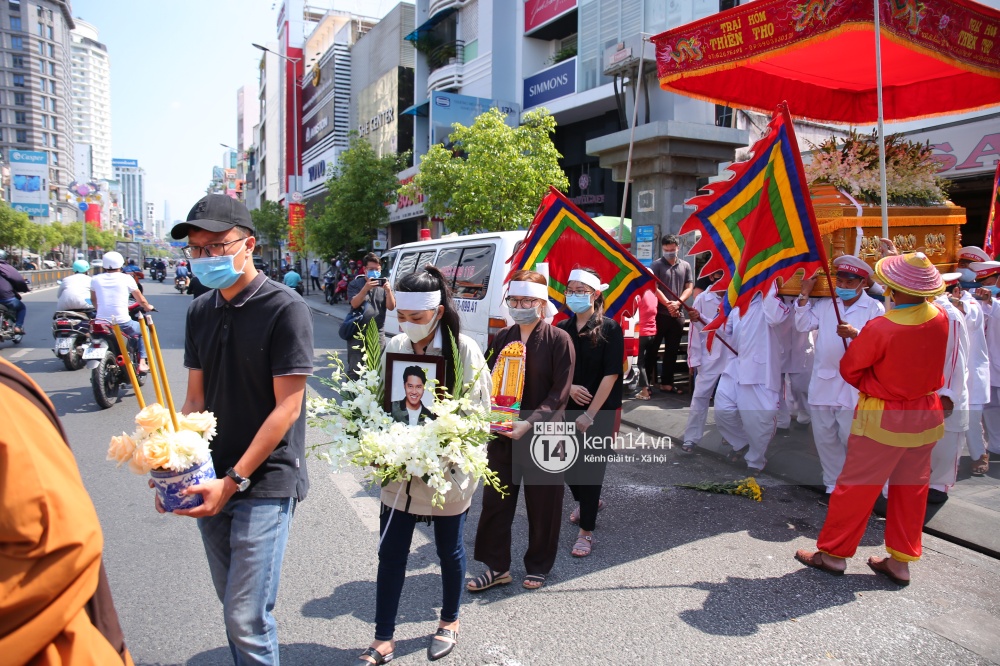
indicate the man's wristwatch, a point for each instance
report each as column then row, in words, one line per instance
column 241, row 483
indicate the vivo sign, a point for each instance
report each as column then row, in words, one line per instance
column 550, row 84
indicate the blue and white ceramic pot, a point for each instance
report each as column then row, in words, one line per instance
column 169, row 485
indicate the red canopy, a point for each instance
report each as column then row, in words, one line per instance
column 938, row 57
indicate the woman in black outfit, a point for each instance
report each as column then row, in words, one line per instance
column 595, row 396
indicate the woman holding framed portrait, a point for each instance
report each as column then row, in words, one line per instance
column 425, row 351
column 595, row 396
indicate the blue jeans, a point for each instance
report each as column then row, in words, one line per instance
column 245, row 544
column 392, row 558
column 133, row 329
column 19, row 309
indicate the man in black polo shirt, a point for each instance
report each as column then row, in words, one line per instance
column 248, row 350
column 676, row 274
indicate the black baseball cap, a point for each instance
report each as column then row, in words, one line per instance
column 215, row 213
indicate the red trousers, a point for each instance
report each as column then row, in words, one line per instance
column 868, row 466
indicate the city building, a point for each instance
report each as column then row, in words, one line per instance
column 91, row 75
column 381, row 90
column 35, row 117
column 133, row 194
column 247, row 117
column 263, row 181
column 327, row 94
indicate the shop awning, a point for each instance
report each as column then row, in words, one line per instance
column 422, row 109
column 429, row 24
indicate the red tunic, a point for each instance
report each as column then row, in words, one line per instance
column 897, row 364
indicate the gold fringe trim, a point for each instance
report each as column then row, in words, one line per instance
column 828, row 226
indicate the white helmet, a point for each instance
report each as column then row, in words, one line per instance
column 113, row 260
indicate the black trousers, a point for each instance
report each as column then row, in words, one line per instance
column 586, row 477
column 669, row 331
column 543, row 498
column 647, row 360
column 315, row 282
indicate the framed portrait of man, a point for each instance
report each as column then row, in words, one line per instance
column 408, row 395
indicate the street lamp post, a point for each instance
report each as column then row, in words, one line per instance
column 295, row 139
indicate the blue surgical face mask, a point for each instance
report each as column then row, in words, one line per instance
column 217, row 272
column 968, row 275
column 578, row 302
column 995, row 290
column 374, row 275
column 846, row 294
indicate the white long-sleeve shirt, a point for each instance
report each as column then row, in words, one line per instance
column 956, row 367
column 826, row 386
column 979, row 358
column 754, row 336
column 714, row 362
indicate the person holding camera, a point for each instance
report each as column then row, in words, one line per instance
column 373, row 293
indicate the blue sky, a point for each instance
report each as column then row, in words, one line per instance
column 175, row 70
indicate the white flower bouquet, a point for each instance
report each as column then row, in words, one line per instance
column 852, row 165
column 364, row 435
column 155, row 445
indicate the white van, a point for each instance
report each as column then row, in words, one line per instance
column 475, row 265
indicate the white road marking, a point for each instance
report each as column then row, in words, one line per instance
column 366, row 507
column 24, row 351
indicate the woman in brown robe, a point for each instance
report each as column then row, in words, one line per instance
column 549, row 361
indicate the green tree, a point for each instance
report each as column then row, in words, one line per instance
column 13, row 227
column 358, row 190
column 495, row 175
column 270, row 223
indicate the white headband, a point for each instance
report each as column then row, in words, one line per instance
column 417, row 300
column 587, row 278
column 532, row 290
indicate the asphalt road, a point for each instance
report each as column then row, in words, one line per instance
column 676, row 576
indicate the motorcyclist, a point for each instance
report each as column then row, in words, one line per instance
column 160, row 265
column 12, row 285
column 182, row 269
column 74, row 291
column 132, row 267
column 109, row 293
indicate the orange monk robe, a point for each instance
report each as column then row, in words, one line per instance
column 897, row 364
column 50, row 545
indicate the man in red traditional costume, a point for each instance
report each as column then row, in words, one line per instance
column 897, row 364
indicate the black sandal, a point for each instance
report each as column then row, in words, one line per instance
column 442, row 643
column 533, row 578
column 487, row 580
column 735, row 456
column 688, row 447
column 375, row 657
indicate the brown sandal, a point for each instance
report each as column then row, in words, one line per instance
column 816, row 561
column 881, row 566
column 981, row 466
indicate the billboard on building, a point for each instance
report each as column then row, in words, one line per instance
column 967, row 148
column 378, row 111
column 319, row 84
column 539, row 12
column 449, row 108
column 29, row 182
column 125, row 164
column 549, row 84
column 314, row 172
column 319, row 126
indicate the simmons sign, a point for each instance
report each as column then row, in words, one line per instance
column 550, row 84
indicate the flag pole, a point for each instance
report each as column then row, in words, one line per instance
column 631, row 138
column 881, row 121
column 689, row 310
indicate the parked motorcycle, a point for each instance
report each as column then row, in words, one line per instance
column 181, row 283
column 71, row 331
column 7, row 326
column 105, row 360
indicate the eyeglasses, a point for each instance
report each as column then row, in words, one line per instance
column 210, row 250
column 582, row 292
column 522, row 303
